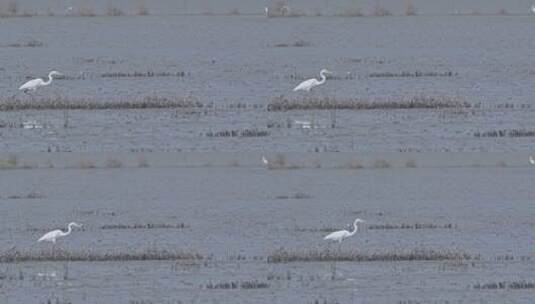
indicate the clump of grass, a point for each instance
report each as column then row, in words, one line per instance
column 142, row 162
column 10, row 162
column 502, row 12
column 113, row 11
column 85, row 164
column 410, row 226
column 355, row 164
column 298, row 195
column 505, row 285
column 326, row 103
column 144, row 226
column 414, row 74
column 30, row 195
column 238, row 285
column 297, row 43
column 234, row 12
column 113, row 163
column 279, row 162
column 14, row 104
column 411, row 163
column 142, row 9
column 381, row 164
column 238, row 133
column 381, row 11
column 327, row 255
column 506, row 133
column 141, row 74
column 351, row 12
column 29, row 44
column 85, row 12
column 62, row 255
column 12, row 8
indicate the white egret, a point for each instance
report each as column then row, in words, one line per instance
column 307, row 85
column 53, row 235
column 266, row 11
column 265, row 161
column 305, row 124
column 533, row 8
column 531, row 160
column 339, row 236
column 33, row 84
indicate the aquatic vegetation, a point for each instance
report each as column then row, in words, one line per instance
column 414, row 74
column 410, row 226
column 298, row 195
column 238, row 133
column 119, row 255
column 297, row 43
column 144, row 226
column 142, row 74
column 381, row 164
column 330, row 103
column 506, row 133
column 238, row 285
column 151, row 102
column 326, row 255
column 505, row 285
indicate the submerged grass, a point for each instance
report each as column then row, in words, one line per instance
column 506, row 133
column 415, row 74
column 411, row 226
column 327, row 255
column 144, row 226
column 238, row 285
column 62, row 255
column 505, row 285
column 14, row 104
column 142, row 74
column 326, row 103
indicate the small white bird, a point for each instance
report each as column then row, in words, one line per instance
column 339, row 236
column 531, row 160
column 266, row 11
column 305, row 124
column 533, row 8
column 33, row 84
column 53, row 235
column 307, row 85
column 264, row 160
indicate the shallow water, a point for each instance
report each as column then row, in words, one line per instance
column 232, row 60
column 242, row 211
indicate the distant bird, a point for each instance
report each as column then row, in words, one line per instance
column 307, row 85
column 533, row 8
column 265, row 161
column 531, row 160
column 339, row 236
column 266, row 11
column 68, row 10
column 33, row 84
column 53, row 235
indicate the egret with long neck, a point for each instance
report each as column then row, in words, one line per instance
column 307, row 85
column 339, row 236
column 53, row 235
column 33, row 84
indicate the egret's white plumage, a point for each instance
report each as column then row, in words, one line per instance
column 307, row 85
column 533, row 8
column 531, row 160
column 33, row 84
column 53, row 235
column 339, row 236
column 265, row 161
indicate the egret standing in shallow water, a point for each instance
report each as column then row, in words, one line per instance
column 339, row 236
column 33, row 84
column 53, row 235
column 531, row 160
column 307, row 85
